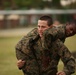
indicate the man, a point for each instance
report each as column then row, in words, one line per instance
column 54, row 45
column 39, row 59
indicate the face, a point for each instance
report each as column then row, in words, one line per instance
column 42, row 26
column 70, row 30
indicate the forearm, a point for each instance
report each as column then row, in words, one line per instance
column 55, row 33
column 20, row 55
column 69, row 67
column 30, row 65
column 21, row 59
column 68, row 60
column 52, row 34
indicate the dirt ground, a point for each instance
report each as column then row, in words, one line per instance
column 15, row 32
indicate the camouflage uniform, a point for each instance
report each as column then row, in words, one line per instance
column 23, row 52
column 58, row 48
column 52, row 34
column 42, row 59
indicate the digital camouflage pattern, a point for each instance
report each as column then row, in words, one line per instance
column 41, row 60
column 52, row 34
column 22, row 52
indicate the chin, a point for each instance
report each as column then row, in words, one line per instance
column 40, row 35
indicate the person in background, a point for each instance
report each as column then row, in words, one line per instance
column 38, row 60
column 56, row 23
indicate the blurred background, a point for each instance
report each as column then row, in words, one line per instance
column 18, row 17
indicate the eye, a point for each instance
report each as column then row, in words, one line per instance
column 38, row 26
column 71, row 29
column 43, row 27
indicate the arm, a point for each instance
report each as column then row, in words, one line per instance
column 53, row 33
column 24, row 41
column 21, row 50
column 67, row 58
column 30, row 67
column 20, row 55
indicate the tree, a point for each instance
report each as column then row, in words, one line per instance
column 1, row 4
column 37, row 4
column 56, row 4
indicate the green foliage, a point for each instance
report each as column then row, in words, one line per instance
column 37, row 4
column 29, row 3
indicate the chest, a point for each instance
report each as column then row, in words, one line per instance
column 45, row 54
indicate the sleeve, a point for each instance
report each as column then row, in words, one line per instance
column 22, row 52
column 67, row 58
column 19, row 53
column 53, row 34
column 21, row 45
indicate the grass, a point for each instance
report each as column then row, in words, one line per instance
column 71, row 43
column 7, row 56
column 8, row 59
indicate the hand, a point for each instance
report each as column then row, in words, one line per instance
column 20, row 63
column 61, row 73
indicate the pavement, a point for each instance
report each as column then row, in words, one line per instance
column 15, row 32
